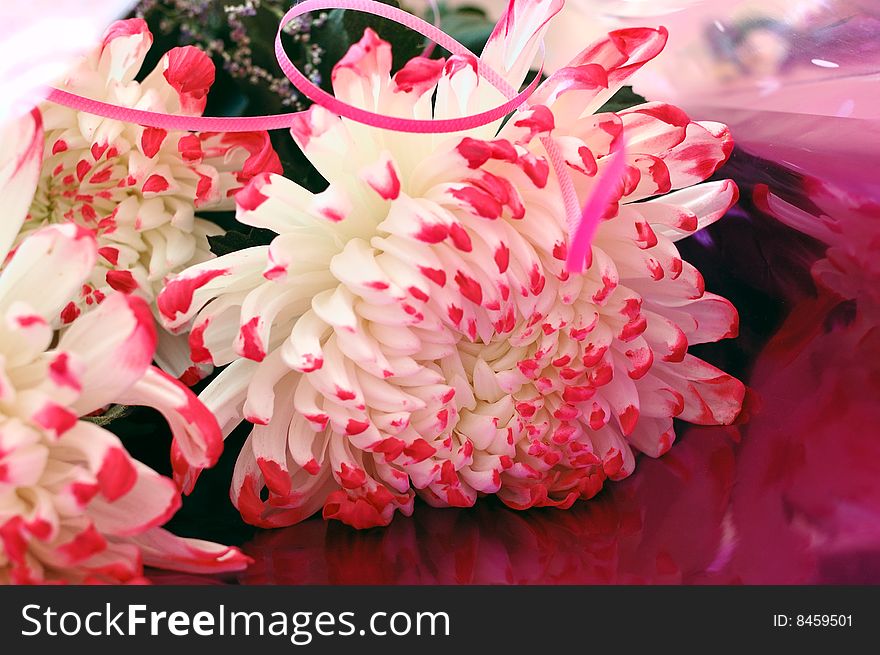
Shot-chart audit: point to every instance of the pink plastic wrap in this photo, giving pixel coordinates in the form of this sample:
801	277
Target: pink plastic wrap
796	81
38	41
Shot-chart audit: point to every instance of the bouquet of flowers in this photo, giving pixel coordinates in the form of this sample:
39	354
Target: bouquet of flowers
448	277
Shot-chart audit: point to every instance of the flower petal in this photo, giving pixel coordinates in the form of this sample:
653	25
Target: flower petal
48	269
21	154
115	344
517	36
197	439
164	550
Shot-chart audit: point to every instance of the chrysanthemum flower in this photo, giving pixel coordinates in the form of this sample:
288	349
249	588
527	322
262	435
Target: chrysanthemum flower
135	188
412	329
74	506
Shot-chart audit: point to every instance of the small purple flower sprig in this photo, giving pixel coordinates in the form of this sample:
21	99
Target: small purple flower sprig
239	38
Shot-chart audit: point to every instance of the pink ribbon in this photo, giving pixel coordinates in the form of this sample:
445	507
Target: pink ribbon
582	223
318	95
581	233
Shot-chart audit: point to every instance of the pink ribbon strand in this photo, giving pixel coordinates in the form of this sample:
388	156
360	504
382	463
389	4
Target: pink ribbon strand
318	95
582	222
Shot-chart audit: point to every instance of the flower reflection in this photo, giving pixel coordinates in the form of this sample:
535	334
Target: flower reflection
808	469
807	493
665	526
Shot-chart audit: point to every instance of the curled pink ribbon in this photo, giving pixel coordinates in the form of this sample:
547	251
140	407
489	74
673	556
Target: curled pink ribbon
582	223
318	95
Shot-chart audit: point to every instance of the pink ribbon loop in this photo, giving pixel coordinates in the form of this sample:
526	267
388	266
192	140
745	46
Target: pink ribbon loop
582	222
318	95
441	38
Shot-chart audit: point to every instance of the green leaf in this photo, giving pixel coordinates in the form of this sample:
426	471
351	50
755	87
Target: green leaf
235	240
333	37
468	25
623	99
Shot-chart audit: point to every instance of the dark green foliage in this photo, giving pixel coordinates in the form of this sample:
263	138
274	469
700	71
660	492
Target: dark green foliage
235	240
468	25
623	99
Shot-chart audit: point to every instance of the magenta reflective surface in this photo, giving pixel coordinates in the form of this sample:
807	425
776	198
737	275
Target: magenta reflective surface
689	518
789	498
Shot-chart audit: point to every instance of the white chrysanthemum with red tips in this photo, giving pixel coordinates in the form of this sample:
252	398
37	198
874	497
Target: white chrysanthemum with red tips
74	506
137	188
412	329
